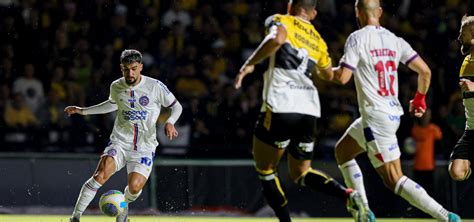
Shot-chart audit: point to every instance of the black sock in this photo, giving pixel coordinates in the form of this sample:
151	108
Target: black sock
322	182
275	196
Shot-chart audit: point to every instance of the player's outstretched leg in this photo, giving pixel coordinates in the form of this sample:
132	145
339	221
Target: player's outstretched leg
353	178
274	194
322	182
129	197
88	191
418	197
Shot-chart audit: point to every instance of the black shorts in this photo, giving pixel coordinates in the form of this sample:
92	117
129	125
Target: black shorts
464	148
288	130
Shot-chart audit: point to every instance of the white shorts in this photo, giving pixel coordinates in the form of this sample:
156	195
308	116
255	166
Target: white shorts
136	161
376	134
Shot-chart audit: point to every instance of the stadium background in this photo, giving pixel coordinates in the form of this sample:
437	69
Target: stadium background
56	53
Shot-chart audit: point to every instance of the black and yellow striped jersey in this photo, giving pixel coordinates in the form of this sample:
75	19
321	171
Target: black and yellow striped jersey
288	86
467	67
467	72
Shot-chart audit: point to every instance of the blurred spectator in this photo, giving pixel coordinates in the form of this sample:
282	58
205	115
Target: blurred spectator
30	88
189	84
425	134
18	115
176	14
4	99
51	115
6	71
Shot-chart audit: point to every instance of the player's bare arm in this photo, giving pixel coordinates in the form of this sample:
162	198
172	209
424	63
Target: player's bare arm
342	75
325	74
418	104
272	42
466	85
170	131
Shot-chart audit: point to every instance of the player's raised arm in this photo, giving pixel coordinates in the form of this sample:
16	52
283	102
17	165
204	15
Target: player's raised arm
101	108
273	41
418	104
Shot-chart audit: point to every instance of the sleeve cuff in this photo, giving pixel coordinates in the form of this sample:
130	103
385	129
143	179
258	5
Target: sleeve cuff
411	59
343	64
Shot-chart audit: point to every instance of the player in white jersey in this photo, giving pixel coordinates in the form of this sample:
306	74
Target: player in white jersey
287	121
372	54
138	100
463	153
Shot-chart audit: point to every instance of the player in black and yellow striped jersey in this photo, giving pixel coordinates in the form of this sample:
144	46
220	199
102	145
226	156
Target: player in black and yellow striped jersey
463	153
297	54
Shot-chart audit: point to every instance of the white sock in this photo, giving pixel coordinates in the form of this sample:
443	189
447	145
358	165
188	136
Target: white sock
417	196
353	178
88	191
131	197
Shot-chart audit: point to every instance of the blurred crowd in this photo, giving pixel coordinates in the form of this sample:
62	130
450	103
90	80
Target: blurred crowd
56	53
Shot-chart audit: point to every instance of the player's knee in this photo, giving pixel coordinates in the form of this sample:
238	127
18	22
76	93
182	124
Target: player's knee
101	177
135	186
459	173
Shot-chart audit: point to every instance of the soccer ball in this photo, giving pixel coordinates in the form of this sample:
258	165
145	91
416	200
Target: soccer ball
112	203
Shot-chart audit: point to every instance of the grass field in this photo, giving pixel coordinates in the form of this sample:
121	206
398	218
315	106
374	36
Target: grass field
64	218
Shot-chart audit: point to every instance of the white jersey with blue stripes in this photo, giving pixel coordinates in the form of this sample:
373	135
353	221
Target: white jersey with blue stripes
373	53
138	109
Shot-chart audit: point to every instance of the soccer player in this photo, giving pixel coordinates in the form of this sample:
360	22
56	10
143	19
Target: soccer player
297	54
138	100
463	153
373	54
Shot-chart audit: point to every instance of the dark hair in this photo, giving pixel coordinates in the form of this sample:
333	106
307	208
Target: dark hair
305	4
130	56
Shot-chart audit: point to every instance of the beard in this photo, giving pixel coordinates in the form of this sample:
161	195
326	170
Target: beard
130	81
465	48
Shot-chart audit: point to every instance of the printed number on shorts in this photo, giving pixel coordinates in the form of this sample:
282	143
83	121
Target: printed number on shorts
384	70
147	161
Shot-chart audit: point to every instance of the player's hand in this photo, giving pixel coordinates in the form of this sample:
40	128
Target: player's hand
466	85
170	131
73	110
418	105
245	70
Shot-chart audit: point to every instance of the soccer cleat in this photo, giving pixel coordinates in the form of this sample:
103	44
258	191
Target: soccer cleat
370	215
73	219
452	217
123	216
360	212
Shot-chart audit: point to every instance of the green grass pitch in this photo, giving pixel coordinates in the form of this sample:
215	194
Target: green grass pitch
65	218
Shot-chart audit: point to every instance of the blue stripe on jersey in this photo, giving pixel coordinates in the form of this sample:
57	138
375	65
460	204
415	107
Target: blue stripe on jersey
135	136
132	99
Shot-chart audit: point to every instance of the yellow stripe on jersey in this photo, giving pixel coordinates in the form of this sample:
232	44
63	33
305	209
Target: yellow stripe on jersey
467	67
302	34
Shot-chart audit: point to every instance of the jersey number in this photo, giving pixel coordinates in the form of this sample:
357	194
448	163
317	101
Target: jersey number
389	68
